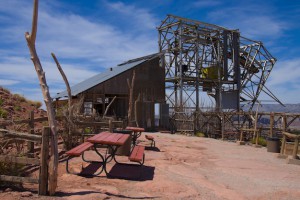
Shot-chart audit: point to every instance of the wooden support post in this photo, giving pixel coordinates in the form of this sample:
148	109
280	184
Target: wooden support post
283	145
241	135
295	150
110	126
222	125
284	123
257	136
30	145
43	184
271	124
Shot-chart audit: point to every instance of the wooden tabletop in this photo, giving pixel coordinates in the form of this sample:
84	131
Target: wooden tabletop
109	138
135	129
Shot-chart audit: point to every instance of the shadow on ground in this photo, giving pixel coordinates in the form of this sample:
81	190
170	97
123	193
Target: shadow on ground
152	149
132	172
83	193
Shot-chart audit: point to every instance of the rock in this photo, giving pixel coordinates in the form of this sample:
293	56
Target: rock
8	190
26	194
9	108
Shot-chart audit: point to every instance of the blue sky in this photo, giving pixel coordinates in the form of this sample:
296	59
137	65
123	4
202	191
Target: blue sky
88	36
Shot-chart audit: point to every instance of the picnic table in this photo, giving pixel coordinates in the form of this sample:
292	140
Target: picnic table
112	141
137	131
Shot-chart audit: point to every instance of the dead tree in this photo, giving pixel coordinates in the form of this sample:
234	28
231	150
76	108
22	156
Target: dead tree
106	110
30	38
69	113
131	89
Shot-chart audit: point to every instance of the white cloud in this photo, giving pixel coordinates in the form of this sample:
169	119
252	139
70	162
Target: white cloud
286	72
12	67
8	82
254	22
84	46
141	17
284	81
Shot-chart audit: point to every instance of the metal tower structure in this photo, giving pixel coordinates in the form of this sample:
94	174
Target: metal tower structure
206	58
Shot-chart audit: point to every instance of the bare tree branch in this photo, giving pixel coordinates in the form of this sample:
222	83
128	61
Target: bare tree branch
34	21
109	106
69	114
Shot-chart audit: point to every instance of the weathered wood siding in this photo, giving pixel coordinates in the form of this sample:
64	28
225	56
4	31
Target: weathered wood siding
149	82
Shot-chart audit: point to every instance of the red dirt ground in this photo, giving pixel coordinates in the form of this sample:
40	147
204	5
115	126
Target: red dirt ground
183	167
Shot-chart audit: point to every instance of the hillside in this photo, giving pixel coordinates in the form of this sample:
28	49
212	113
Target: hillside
15	107
288	108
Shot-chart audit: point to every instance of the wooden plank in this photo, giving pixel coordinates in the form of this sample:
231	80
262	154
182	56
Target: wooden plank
18	135
136	129
77	151
123	139
20	160
43	176
137	154
91	123
99	137
290	135
30	145
17	179
112	139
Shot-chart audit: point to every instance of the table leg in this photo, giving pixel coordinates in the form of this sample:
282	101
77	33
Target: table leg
110	157
135	136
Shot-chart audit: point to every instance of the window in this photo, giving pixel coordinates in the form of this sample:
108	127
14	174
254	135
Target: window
88	108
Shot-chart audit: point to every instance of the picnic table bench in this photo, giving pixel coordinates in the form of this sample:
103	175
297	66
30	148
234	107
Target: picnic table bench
137	131
79	151
150	138
111	141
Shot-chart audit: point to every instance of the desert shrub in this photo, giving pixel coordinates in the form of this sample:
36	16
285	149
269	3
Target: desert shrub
17	108
36	104
20	98
1	102
3	113
200	134
5	90
10	169
261	141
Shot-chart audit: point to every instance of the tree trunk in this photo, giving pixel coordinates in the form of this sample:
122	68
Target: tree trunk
30	38
131	89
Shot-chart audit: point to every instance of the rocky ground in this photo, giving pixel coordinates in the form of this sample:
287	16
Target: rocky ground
182	167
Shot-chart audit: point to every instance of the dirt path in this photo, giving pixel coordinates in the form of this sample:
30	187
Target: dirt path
184	167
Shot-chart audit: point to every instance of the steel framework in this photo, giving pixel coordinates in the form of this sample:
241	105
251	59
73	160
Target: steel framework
199	57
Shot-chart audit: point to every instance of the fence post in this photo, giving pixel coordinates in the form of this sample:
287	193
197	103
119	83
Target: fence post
271	124
295	150
43	177
283	145
30	145
284	122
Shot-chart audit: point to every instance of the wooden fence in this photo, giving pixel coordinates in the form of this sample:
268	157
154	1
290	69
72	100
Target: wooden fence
31	137
42	179
296	143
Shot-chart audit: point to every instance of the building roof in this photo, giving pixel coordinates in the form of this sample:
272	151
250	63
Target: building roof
104	76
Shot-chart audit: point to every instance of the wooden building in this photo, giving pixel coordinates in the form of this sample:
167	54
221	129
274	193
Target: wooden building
99	90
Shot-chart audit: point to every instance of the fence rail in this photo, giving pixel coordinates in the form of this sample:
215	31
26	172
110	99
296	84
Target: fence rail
42	180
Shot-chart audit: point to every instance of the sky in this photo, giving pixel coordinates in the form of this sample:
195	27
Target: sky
89	36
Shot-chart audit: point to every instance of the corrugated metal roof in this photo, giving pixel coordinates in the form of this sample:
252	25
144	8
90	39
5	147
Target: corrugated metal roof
104	76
